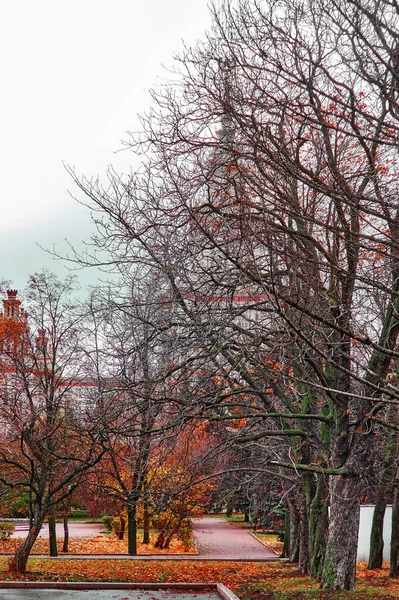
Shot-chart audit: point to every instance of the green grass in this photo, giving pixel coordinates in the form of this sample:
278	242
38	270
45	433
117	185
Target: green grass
235	517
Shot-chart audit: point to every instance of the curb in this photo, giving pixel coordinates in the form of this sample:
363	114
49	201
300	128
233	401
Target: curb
276	557
263	543
224	592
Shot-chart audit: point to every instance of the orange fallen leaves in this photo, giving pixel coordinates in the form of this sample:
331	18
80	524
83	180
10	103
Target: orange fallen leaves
231	573
101	544
250	579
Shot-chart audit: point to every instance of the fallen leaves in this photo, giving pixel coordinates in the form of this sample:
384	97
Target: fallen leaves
252	580
101	544
271	541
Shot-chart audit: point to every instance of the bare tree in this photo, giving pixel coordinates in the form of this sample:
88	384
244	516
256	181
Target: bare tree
50	435
278	236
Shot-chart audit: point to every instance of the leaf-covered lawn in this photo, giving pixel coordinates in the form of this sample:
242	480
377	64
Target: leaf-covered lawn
271	540
257	581
101	544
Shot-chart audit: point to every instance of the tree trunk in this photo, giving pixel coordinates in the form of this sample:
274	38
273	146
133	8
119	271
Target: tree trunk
318	527
394	558
386	476
287	535
376	535
146	523
52	535
122	528
132	528
303	542
18	563
66	534
339	569
294	532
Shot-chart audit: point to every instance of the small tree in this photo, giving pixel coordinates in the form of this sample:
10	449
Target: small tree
50	436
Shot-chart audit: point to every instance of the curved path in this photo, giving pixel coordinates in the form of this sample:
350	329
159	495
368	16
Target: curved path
216	538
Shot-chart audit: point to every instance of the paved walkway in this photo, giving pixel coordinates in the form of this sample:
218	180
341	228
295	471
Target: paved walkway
76	530
216	538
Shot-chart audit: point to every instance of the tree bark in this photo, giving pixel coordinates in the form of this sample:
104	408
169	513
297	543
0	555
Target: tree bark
303	542
294	532
66	534
146	523
18	563
339	569
132	528
394	557
317	512
52	535
122	528
287	535
386	476
376	535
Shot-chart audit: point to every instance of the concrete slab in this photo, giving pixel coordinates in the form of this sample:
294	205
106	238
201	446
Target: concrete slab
112	594
29	590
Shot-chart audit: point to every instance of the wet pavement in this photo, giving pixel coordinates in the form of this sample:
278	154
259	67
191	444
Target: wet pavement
216	538
76	530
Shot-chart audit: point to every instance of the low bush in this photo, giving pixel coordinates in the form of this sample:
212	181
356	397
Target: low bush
6	530
107	520
185	536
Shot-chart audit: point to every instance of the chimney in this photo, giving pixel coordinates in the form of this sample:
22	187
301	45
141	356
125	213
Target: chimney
11	305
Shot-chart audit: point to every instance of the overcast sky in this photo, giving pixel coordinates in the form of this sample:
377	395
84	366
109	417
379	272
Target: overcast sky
74	74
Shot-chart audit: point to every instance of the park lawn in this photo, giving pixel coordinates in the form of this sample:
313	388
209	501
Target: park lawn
271	540
100	544
249	580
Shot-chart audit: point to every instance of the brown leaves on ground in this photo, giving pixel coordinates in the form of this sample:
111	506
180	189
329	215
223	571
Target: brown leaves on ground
231	573
101	544
253	580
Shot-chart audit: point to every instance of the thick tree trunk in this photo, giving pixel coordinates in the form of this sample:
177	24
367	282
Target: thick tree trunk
339	569
66	534
318	527
52	535
132	528
19	561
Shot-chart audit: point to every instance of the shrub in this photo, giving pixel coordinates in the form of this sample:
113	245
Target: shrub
119	526
185	535
107	520
6	529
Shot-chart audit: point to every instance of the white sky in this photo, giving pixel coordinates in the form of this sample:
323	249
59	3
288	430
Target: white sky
74	76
